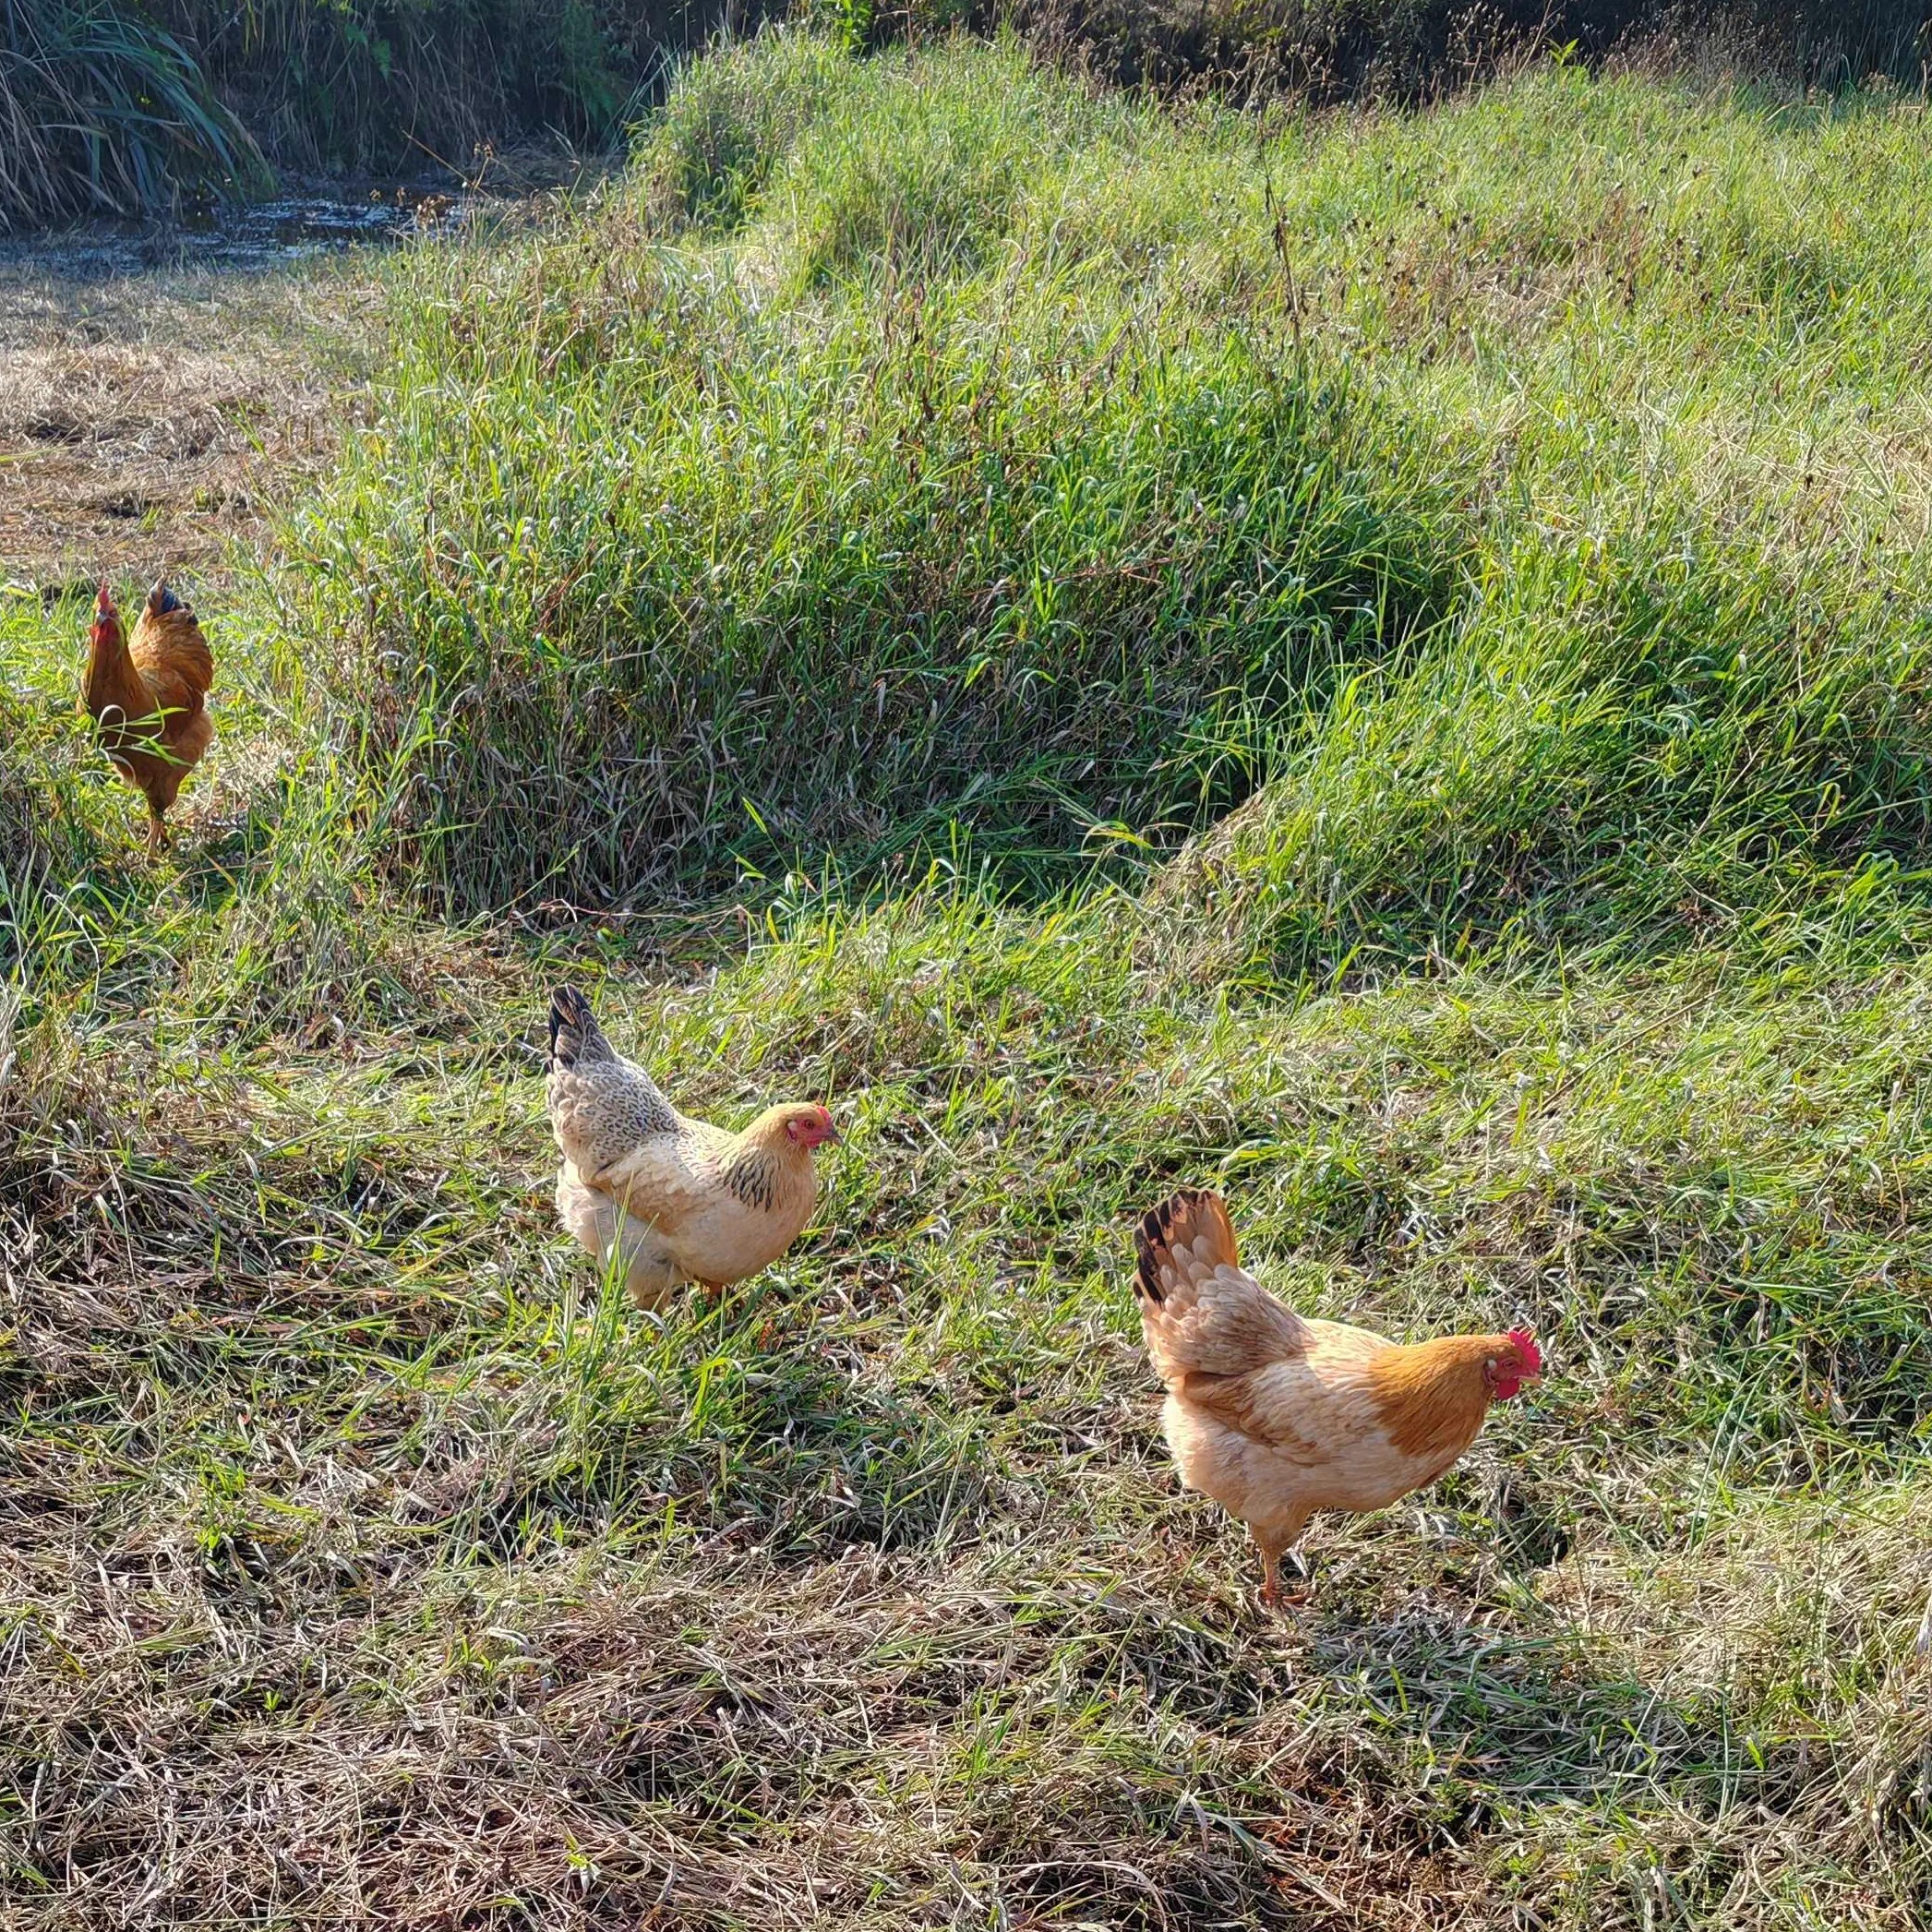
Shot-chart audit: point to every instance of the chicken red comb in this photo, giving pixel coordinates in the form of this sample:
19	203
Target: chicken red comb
1525	1346
103	603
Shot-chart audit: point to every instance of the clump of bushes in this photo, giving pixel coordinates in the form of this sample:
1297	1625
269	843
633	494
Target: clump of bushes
1411	49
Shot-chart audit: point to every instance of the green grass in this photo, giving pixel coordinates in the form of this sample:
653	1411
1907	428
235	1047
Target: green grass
130	107
1380	665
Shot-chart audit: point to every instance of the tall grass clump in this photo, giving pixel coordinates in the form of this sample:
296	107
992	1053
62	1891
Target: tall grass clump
1013	468
728	582
131	107
398	83
729	120
102	112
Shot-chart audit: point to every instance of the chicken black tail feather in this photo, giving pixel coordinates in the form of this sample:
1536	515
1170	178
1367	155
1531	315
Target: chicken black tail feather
574	1033
1151	1239
1190	1215
1148	1238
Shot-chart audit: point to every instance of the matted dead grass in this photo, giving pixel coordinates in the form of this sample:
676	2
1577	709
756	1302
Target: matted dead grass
150	416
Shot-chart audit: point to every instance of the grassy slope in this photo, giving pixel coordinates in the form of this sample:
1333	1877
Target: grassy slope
1544	581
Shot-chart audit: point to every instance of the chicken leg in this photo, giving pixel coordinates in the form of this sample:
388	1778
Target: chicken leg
1271	1540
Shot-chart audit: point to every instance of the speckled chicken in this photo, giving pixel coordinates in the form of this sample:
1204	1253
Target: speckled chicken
676	1199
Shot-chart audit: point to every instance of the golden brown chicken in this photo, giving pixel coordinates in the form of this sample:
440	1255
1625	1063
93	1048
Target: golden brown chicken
1275	1416
147	696
679	1199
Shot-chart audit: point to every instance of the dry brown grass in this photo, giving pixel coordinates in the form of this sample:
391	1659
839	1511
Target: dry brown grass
150	416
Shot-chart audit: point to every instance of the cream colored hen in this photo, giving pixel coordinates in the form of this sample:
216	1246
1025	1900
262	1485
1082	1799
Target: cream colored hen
1276	1415
677	1199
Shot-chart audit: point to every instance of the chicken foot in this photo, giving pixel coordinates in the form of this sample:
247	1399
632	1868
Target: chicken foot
1272	1595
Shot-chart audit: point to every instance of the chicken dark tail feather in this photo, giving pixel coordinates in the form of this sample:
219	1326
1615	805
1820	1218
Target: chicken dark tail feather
1149	1239
574	1033
1189	1217
161	599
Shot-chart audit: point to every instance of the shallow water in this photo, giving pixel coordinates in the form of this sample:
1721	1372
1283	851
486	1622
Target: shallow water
292	226
261	234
